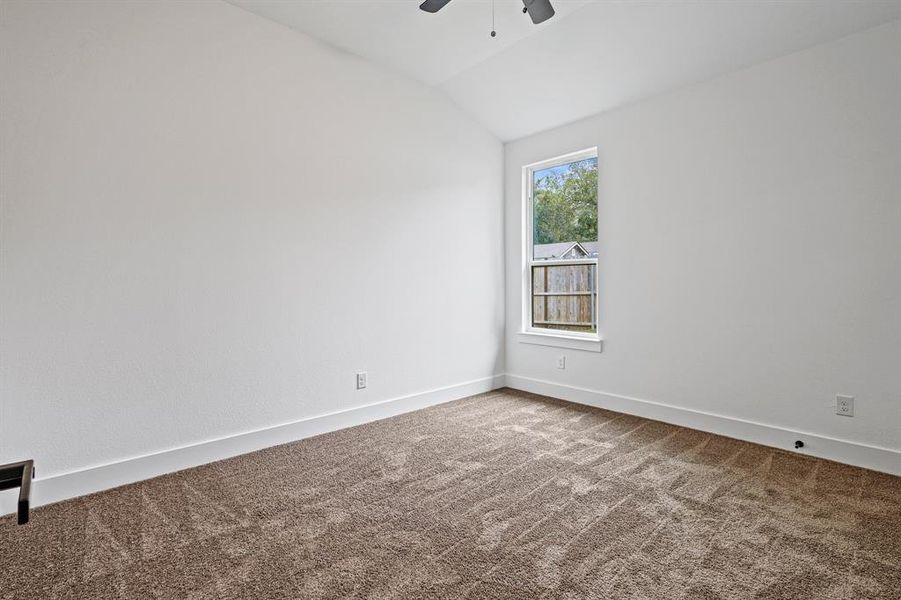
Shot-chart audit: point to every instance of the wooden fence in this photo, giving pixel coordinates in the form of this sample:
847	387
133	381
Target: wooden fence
564	296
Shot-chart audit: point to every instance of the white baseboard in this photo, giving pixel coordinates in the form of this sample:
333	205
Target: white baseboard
102	477
94	479
843	451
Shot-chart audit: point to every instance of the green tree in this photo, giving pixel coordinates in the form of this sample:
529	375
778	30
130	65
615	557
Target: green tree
565	203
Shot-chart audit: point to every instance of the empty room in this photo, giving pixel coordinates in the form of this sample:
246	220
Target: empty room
486	299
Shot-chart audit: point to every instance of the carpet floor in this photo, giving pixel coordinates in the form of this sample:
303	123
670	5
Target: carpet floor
502	495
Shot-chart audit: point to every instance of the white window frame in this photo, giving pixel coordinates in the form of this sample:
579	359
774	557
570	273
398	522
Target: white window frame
576	340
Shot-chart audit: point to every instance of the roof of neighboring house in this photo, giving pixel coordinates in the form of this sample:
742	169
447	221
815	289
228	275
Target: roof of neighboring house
552	251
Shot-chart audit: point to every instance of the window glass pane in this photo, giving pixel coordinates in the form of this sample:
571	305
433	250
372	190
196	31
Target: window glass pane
565	296
565	228
565	211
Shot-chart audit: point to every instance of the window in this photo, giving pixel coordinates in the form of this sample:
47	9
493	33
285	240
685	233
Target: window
561	270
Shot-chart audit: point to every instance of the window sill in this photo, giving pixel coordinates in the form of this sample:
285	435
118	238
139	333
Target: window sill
559	340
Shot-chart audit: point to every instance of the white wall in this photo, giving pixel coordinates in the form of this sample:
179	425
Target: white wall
210	222
750	234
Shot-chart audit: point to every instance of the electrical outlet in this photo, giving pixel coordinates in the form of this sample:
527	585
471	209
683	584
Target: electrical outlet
361	380
561	362
844	406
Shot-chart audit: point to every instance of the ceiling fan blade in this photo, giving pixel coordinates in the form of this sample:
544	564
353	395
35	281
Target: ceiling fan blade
433	6
539	10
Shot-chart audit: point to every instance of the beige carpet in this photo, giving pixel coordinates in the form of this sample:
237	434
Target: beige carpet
504	495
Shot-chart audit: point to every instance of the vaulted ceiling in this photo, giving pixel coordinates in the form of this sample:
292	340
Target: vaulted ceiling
591	57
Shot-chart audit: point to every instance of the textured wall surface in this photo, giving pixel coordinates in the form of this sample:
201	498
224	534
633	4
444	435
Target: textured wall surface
211	222
750	256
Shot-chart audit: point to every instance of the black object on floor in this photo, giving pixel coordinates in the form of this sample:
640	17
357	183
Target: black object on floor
18	475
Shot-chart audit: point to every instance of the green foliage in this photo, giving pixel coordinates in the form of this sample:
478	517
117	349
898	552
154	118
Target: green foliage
565	206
